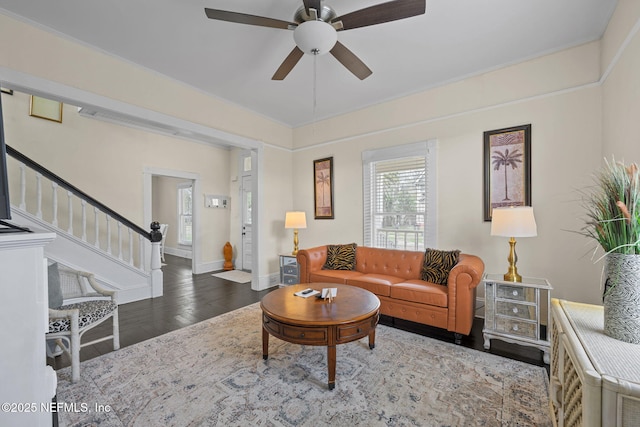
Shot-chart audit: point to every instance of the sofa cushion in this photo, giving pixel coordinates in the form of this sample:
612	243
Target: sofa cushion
379	284
340	257
421	292
332	276
438	264
392	262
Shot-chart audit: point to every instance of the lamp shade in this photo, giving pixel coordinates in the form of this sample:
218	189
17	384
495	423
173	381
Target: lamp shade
295	220
315	37
516	221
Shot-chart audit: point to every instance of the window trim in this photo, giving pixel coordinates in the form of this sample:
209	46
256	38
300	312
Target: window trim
428	149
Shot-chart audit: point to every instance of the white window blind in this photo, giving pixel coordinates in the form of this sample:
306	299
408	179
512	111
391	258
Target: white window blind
399	197
185	214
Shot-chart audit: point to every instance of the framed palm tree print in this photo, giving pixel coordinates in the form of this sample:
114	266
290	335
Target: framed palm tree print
323	188
507	168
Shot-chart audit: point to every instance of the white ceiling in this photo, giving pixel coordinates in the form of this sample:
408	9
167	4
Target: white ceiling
453	40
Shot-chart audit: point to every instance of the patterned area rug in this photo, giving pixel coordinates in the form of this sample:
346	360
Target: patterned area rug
212	373
234	276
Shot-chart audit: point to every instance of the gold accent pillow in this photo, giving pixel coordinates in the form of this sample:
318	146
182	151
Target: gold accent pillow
340	257
438	264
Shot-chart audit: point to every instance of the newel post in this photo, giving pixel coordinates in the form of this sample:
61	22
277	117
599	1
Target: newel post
156	272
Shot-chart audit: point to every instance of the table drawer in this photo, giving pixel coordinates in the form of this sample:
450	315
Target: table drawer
517	310
290	269
273	327
516	293
290	280
311	336
516	327
288	260
294	334
348	333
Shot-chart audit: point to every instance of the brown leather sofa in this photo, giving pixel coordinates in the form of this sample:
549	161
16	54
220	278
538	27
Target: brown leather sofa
395	277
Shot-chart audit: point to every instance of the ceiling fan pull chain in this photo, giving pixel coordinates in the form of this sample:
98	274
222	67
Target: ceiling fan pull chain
315	85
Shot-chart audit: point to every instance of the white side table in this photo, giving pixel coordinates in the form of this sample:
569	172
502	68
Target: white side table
512	311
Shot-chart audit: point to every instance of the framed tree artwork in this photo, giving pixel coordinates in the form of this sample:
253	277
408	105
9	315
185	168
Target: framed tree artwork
507	168
323	188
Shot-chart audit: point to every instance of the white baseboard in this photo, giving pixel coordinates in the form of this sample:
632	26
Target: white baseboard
266	282
207	267
182	253
134	294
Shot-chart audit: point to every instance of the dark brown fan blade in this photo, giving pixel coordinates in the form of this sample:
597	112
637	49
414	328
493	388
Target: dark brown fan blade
381	13
312	4
288	64
351	61
243	18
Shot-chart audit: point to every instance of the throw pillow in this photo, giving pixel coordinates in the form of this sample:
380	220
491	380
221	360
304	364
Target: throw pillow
55	291
340	257
438	264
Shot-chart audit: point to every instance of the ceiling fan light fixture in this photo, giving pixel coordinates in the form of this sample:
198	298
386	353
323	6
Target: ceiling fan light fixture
315	37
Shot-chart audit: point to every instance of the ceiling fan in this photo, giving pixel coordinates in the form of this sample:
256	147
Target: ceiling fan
315	29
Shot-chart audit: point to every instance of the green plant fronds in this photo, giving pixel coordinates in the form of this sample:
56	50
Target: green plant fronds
613	208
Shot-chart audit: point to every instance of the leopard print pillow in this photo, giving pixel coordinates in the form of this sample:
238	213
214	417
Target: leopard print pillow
438	264
340	257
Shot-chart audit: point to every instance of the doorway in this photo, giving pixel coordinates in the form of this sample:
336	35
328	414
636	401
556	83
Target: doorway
246	195
246	223
161	204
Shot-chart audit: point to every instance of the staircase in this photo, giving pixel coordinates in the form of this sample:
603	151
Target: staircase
90	236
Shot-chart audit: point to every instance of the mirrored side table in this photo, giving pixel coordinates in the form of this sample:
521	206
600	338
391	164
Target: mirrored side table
513	312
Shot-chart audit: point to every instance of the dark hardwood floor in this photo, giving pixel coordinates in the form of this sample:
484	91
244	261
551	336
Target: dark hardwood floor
190	298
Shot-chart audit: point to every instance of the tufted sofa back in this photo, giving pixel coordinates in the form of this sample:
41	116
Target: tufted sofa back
392	262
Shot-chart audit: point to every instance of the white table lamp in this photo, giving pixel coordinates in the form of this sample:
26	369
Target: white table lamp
512	222
295	220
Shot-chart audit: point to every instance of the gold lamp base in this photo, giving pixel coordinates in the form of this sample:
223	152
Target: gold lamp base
512	274
295	242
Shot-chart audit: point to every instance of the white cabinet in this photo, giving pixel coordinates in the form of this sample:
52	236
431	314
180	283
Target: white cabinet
25	377
595	379
513	311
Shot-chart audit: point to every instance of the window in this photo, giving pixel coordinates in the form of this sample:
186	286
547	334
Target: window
185	213
399	197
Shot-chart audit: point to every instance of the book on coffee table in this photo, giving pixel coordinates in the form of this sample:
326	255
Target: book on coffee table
306	293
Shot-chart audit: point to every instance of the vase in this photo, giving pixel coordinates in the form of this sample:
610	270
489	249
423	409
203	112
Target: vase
622	297
227	251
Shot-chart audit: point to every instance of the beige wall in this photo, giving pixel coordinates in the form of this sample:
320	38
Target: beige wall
107	162
34	52
576	118
555	94
621	89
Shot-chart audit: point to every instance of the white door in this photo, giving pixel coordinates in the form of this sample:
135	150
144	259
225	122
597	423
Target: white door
246	223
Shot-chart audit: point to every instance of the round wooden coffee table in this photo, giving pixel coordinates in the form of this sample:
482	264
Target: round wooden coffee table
352	315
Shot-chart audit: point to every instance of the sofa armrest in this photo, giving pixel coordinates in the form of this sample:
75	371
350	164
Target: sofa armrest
310	260
464	278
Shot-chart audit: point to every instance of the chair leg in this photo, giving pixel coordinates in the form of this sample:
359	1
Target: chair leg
116	330
75	348
75	357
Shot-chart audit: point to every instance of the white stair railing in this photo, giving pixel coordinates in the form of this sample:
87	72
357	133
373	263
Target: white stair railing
131	239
